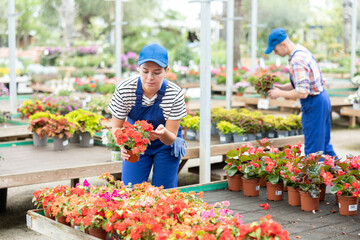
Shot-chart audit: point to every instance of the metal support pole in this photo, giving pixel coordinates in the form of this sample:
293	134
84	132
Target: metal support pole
254	5
12	56
353	36
118	40
205	97
229	52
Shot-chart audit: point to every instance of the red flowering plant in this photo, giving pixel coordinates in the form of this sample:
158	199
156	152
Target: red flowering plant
134	138
29	107
309	176
347	177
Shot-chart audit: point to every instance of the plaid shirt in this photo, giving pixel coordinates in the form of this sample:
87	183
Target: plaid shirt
305	72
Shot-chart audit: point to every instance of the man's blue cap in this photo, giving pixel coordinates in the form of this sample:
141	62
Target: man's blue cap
276	36
154	53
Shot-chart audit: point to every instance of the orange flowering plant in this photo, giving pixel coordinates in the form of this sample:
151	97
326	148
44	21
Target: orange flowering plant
134	138
147	212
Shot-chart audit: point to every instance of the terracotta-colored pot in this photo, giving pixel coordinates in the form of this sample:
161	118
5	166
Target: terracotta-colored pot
308	203
133	157
61	219
348	205
235	183
262	182
275	192
293	196
322	192
48	215
251	187
98	232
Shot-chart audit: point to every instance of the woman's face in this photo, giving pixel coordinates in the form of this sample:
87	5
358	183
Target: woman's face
151	75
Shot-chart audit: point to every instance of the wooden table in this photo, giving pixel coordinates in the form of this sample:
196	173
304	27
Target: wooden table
26	165
352	113
293	105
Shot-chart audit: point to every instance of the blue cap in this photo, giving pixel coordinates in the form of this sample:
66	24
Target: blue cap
276	36
154	53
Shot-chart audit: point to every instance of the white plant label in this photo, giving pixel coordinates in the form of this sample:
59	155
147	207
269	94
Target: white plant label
339	205
257	188
352	208
222	139
263	104
65	143
80	138
77	228
278	193
91	141
271	135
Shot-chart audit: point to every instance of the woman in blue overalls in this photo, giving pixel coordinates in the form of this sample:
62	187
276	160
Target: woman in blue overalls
315	102
167	145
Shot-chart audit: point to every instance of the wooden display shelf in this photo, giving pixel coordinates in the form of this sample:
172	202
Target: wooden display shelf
352	113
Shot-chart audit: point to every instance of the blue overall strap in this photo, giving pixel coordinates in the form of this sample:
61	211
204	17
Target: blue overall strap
161	92
139	93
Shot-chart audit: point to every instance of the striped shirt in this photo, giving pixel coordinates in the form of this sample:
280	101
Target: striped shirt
305	72
172	104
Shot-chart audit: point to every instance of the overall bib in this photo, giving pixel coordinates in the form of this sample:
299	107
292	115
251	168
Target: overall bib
316	121
157	153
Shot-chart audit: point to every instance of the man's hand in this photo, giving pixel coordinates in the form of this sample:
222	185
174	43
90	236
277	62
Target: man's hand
124	154
275	93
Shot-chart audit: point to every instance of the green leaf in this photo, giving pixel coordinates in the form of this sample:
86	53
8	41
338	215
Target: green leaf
274	179
336	188
232	154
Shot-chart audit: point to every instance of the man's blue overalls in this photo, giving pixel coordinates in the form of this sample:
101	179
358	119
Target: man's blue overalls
159	154
315	120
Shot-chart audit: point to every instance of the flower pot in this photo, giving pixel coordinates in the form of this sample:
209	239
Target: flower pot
86	140
62	219
225	138
133	157
275	192
75	138
190	134
60	144
239	94
115	156
239	138
259	135
39	142
251	187
308	203
292	133
282	134
235	182
348	205
356	106
197	136
293	197
251	137
48	215
322	192
262	182
214	130
98	232
271	134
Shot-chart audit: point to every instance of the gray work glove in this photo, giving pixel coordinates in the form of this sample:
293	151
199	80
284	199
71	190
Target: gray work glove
178	147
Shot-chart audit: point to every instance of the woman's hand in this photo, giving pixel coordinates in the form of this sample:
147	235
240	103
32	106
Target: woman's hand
124	155
157	133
